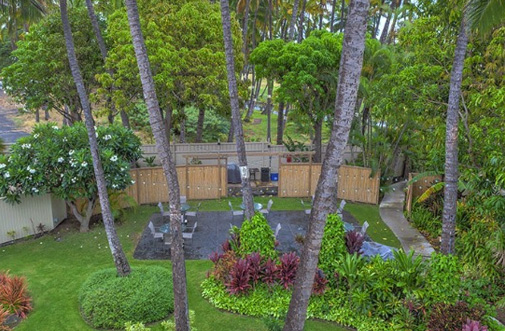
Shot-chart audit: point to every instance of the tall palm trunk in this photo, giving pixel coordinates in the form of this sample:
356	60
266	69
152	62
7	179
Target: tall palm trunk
332	19
235	111
280	123
351	63
302	18
163	147
122	266
391	35
245	26
292	24
451	145
385	29
342	16
103	52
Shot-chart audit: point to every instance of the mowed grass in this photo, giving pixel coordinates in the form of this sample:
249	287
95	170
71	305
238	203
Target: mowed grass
57	264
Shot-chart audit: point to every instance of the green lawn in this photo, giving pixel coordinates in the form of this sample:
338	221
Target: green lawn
56	269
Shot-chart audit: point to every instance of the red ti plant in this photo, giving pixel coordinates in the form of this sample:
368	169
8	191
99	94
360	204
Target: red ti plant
3	317
224	265
320	283
14	295
239	278
354	241
269	272
287	269
254	260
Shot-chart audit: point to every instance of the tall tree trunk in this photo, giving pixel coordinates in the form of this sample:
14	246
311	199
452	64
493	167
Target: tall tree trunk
245	26
351	63
451	145
230	133
182	129
124	119
391	35
302	18
37	115
292	24
270	84
342	16
318	135
385	29
322	7
122	266
280	123
332	19
199	125
235	111
162	144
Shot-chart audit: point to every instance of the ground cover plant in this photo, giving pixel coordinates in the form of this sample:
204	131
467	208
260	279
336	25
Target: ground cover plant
56	269
108	301
368	294
14	298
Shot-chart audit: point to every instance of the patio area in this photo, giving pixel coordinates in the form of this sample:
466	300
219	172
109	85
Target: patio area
213	229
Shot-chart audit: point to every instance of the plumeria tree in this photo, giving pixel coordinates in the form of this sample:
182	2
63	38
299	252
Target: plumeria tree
58	161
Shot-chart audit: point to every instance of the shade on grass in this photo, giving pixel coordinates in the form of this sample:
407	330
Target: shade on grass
55	271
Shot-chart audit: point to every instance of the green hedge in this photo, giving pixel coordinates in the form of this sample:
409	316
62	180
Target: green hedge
108	301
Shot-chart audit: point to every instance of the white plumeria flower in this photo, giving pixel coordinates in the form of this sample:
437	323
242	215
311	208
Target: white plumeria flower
113	158
55	127
65	139
71	152
61	175
24	146
107	137
7	175
2	165
133	182
30	169
122	169
60	159
36	135
114	186
74	180
84	164
96	134
36	190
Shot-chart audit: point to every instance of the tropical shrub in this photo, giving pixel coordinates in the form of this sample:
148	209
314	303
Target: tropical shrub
254	261
473	326
223	265
3	318
320	283
269	272
287	269
443	279
14	296
108	301
445	316
239	278
333	244
354	241
426	222
256	236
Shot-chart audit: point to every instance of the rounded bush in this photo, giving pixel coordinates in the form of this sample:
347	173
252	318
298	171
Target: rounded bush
108	301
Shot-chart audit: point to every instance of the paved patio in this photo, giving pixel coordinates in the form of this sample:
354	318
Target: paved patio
213	229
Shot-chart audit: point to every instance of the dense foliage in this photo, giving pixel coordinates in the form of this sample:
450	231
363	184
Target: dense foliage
14	298
404	293
108	301
257	236
58	161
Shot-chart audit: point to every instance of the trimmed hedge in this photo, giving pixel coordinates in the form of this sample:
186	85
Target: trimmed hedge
108	301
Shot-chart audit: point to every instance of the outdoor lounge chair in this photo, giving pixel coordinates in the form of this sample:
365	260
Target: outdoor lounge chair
267	210
194	213
189	235
341	208
235	212
307	211
153	231
277	229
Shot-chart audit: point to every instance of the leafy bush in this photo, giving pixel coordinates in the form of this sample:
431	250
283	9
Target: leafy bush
239	278
269	272
14	295
320	283
223	265
257	236
426	222
215	126
443	279
452	316
287	269
254	261
109	301
408	270
354	241
333	244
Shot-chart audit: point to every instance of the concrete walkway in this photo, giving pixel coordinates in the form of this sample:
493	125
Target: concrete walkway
391	212
8	130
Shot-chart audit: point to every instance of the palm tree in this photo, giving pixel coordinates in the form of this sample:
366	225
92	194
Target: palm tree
235	111
162	144
17	15
118	255
482	15
351	63
293	20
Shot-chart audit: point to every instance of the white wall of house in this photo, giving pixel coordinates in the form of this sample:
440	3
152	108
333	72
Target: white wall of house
23	218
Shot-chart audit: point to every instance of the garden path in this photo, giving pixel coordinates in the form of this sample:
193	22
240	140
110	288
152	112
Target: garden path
391	212
8	130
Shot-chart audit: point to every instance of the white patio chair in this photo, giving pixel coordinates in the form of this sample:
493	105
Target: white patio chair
153	231
307	211
160	206
183	199
277	229
235	212
364	228
341	207
194	213
189	235
269	207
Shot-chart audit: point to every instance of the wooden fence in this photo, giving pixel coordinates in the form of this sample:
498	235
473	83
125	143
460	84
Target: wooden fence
417	188
354	183
195	182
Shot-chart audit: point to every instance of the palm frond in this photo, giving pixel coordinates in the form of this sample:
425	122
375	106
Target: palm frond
484	15
433	189
422	175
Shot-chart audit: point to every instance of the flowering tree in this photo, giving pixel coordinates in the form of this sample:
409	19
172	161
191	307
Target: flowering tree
58	161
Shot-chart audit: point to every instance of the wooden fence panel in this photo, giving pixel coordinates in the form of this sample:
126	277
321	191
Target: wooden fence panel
417	188
354	183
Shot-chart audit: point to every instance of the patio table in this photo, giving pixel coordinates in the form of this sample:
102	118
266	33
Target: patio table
257	206
184	208
165	228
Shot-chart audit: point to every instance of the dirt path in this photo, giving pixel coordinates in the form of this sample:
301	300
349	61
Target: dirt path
9	133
